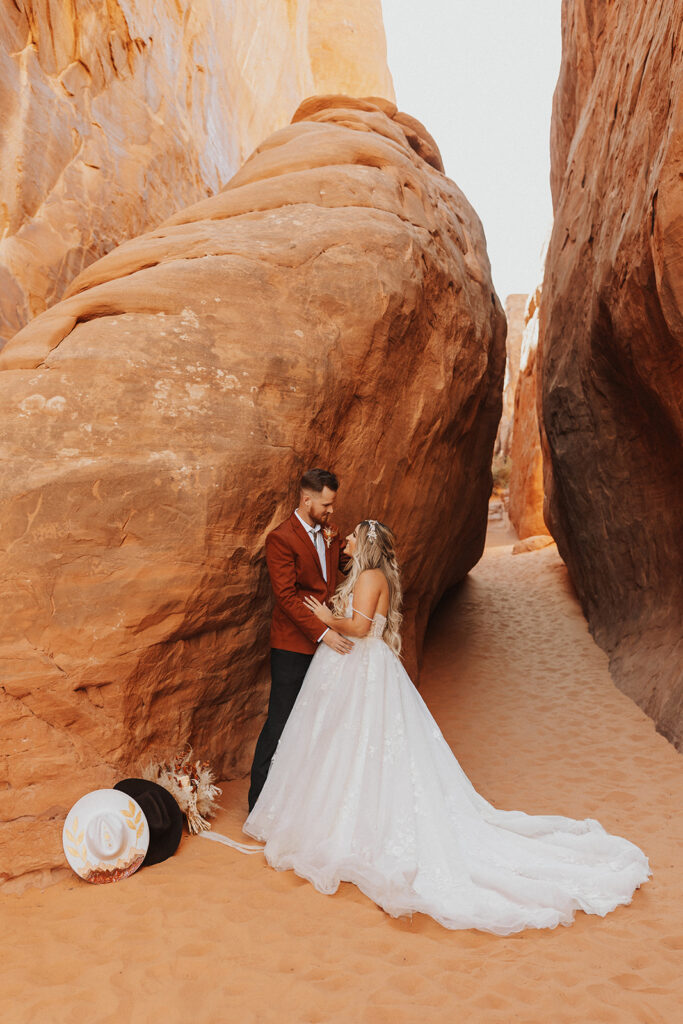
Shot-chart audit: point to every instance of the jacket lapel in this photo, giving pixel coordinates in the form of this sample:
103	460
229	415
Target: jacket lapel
331	577
302	534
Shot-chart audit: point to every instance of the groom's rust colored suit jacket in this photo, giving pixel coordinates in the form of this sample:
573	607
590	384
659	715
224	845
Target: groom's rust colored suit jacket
295	571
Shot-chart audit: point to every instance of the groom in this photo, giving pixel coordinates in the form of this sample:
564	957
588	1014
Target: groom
303	558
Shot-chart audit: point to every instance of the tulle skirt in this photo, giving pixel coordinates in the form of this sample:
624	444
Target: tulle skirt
363	788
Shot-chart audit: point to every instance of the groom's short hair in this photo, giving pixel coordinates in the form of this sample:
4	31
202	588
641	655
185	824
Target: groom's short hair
316	479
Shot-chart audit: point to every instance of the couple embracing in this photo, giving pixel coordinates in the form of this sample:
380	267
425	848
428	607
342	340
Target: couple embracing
352	779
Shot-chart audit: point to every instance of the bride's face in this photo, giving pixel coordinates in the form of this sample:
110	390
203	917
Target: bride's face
350	546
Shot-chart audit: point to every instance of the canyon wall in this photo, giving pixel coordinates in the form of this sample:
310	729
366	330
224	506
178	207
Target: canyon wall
333	305
117	113
525	503
515	306
611	338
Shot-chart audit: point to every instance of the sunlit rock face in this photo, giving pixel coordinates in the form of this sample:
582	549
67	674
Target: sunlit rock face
611	339
515	306
332	306
114	114
525	506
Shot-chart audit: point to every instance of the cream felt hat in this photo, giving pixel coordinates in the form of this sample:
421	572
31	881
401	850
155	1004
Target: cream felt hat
105	836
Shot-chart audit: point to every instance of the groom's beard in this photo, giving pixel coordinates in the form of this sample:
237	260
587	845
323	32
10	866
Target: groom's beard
321	520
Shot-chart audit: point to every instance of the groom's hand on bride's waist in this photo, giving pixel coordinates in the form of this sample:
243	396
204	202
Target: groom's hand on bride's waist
338	643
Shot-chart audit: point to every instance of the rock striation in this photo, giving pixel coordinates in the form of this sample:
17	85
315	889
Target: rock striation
115	115
515	306
611	339
333	305
525	502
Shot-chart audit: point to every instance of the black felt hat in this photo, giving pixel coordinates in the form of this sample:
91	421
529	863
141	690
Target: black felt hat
164	817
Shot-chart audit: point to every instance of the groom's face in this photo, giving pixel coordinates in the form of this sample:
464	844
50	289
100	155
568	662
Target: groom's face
320	506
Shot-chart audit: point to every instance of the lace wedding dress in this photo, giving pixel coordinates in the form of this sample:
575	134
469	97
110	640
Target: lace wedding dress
364	788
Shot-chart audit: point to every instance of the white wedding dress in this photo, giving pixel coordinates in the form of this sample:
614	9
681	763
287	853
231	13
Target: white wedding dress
363	788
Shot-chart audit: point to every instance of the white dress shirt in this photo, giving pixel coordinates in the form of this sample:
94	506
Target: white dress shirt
316	535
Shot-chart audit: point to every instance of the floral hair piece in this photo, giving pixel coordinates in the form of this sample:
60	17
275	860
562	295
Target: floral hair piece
372	531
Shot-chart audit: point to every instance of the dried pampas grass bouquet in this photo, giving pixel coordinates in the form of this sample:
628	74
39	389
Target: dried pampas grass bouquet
191	783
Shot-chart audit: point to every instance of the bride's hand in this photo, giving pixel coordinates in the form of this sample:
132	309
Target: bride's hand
318	609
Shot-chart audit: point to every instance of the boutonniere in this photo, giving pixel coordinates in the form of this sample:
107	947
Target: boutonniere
329	533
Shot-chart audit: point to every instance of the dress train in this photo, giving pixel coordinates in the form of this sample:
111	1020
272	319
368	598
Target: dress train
364	788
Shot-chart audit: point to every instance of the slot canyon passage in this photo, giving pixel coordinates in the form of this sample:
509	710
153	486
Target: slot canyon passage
524	696
333	287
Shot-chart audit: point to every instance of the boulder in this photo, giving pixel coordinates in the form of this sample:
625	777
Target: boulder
532	544
331	306
115	115
525	502
611	339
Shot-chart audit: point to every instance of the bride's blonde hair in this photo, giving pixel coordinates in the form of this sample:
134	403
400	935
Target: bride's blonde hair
375	549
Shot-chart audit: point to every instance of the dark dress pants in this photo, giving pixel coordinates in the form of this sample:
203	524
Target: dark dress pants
287	671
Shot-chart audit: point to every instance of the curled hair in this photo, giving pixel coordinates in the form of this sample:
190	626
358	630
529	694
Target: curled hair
375	549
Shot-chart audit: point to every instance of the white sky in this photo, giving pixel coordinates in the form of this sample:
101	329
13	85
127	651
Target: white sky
480	75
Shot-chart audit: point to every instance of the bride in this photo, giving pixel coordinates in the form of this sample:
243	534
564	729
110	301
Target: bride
364	788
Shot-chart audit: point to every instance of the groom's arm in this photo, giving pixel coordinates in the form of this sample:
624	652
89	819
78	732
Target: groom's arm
282	569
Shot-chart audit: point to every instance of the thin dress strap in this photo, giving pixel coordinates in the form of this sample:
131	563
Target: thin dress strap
364	615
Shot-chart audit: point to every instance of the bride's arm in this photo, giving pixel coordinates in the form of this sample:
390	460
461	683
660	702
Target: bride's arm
366	596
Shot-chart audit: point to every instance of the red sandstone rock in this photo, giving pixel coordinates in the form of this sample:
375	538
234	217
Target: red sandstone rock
531	544
515	306
612	339
332	306
113	115
525	503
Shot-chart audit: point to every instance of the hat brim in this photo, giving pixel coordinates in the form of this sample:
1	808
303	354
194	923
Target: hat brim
163	843
82	859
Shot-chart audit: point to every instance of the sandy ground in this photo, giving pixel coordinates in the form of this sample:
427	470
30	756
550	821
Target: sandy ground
210	936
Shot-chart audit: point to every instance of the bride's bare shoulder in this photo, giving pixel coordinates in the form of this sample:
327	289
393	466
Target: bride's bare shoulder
372	578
